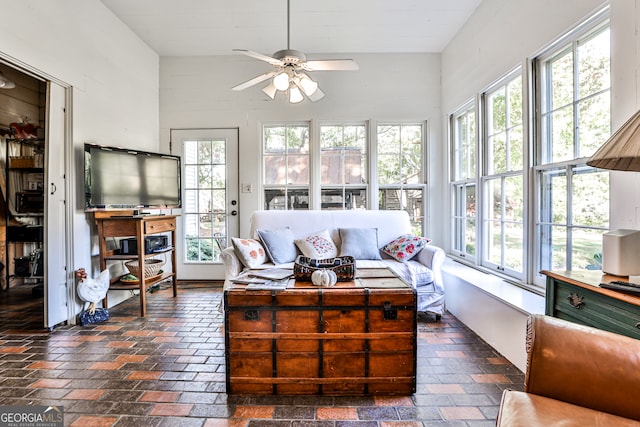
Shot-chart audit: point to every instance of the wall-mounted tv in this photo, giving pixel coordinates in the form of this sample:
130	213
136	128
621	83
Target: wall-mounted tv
123	178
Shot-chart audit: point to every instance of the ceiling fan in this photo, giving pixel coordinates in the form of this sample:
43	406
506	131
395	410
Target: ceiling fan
290	71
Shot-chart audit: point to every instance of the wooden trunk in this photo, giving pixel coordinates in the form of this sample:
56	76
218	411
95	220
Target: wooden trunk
356	338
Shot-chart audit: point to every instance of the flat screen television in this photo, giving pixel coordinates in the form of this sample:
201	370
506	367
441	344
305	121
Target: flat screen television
123	178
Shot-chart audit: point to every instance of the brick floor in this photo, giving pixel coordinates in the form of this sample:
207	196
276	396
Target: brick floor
168	370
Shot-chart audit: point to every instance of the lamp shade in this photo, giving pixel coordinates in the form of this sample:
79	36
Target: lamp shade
295	95
270	90
622	150
281	81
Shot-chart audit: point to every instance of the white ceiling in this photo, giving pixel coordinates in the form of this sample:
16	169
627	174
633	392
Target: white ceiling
215	27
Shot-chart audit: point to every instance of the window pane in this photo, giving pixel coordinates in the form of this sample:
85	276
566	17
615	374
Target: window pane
274	199
470	202
274	139
561	76
464	163
516	147
343	156
514	91
388	169
343	198
556	240
590	200
594	123
283	199
554	197
494	244
286	163
498	154
494	192
514	198
470	237
298	170
561	127
274	170
514	246
587	249
204	152
497	111
593	64
412	163
400	154
407	199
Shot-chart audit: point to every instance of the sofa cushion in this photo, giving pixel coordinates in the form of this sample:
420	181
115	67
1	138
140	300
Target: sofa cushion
405	247
360	243
279	245
520	409
250	252
318	245
413	272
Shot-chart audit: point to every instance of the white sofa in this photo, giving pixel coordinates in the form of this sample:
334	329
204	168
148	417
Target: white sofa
423	271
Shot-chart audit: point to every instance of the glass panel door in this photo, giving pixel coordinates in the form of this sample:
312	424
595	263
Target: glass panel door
209	200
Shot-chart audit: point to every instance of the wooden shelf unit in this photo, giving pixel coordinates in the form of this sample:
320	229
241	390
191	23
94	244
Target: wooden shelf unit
111	225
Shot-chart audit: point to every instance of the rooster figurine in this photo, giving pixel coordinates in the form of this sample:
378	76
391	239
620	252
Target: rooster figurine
92	290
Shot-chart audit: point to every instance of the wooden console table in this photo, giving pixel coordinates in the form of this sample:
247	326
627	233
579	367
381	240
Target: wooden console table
576	296
138	227
356	338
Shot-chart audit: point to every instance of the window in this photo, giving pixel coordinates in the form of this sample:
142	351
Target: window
286	167
503	178
401	171
463	185
574	116
540	206
338	174
343	171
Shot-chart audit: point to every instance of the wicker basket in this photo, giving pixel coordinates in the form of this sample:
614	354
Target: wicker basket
343	266
151	267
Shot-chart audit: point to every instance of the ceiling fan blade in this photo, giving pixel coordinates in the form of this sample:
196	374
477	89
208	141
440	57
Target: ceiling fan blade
254	81
259	56
331	65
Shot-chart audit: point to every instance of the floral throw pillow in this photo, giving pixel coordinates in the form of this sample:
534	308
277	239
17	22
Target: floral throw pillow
405	247
250	252
318	245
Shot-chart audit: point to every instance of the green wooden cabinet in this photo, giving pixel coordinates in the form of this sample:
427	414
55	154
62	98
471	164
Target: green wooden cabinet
577	297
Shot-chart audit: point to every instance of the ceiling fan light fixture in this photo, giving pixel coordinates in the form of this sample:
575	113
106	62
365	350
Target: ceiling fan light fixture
270	90
5	83
281	81
308	86
295	95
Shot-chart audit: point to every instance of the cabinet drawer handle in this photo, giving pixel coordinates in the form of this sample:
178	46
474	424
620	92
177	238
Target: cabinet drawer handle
576	301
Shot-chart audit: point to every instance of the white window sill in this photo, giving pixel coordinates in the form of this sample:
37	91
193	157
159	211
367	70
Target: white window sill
517	297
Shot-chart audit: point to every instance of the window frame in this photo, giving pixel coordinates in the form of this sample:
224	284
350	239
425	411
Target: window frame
460	183
287	189
567	167
371	185
487	176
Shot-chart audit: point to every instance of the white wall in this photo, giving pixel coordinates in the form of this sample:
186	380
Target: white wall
113	75
196	92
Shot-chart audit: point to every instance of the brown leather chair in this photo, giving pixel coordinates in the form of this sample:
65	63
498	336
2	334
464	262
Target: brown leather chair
576	376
